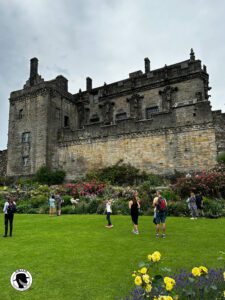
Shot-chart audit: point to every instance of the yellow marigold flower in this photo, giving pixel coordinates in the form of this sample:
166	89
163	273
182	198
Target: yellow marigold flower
143	270
138	280
148	288
203	270
169	280
150	257
156	256
196	271
146	278
169	286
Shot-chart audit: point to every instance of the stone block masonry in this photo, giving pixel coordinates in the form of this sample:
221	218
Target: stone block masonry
157	120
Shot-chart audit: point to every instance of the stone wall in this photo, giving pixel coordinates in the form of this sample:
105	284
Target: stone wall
161	152
3	162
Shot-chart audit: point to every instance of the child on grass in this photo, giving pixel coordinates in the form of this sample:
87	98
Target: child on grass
108	209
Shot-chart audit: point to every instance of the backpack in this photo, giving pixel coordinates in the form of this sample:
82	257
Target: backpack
161	205
11	209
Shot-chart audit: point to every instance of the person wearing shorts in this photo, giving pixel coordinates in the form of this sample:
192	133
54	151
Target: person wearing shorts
160	216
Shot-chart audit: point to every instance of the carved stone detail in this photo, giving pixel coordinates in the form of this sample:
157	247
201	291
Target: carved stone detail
135	106
107	112
167	97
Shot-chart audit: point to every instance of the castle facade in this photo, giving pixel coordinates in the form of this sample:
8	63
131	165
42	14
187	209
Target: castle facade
157	120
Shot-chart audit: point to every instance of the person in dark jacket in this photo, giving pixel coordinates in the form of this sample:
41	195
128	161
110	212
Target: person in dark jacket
199	203
9	210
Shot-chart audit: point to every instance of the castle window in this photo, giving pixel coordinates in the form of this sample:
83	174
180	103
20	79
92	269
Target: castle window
57	113
94	118
121	116
26	137
66	121
20	114
25	161
150	111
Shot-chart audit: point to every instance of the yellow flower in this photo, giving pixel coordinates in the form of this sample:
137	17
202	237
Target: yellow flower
148	288
133	275
150	257
156	256
138	280
203	270
169	280
224	294
224	276
146	278
164	298
196	271
169	286
143	270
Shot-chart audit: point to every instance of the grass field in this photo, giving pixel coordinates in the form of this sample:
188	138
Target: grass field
76	257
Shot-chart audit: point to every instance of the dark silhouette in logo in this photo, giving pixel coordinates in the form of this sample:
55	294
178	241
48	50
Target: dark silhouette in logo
21	280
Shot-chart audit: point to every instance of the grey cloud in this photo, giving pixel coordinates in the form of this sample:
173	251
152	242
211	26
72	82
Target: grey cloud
106	40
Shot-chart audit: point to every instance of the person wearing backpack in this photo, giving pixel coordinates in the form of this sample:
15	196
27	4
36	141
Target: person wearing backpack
160	205
9	210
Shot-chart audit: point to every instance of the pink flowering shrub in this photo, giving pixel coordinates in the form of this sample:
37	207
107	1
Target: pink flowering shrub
85	188
209	183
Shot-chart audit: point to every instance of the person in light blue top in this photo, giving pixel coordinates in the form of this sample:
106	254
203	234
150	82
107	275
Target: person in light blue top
51	202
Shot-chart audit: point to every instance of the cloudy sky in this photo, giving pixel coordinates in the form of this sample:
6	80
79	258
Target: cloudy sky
106	40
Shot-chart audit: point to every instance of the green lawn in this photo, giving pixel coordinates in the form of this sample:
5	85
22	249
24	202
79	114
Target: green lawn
76	257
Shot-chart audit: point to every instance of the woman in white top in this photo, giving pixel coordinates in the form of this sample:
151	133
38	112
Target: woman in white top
108	213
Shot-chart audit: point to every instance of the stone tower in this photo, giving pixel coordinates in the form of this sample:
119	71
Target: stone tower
36	114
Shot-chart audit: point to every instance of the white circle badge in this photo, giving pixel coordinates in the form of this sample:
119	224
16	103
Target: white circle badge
21	280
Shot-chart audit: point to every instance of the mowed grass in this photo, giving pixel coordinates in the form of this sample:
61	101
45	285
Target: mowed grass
76	257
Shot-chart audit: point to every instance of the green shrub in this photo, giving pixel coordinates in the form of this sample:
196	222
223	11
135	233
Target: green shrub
178	208
170	195
120	174
66	199
68	209
37	201
120	207
46	176
221	158
213	208
93	206
23	208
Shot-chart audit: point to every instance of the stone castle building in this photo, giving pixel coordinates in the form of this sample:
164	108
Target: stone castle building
157	120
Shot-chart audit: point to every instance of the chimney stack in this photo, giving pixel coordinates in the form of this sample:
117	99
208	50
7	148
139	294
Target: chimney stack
33	68
88	84
147	65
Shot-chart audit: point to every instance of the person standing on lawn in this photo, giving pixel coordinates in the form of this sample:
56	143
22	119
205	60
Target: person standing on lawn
160	205
58	201
9	210
108	209
134	206
192	206
199	204
51	202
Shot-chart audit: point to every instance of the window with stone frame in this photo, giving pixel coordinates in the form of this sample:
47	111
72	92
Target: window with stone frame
66	122
57	113
20	114
151	111
121	116
25	161
25	137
